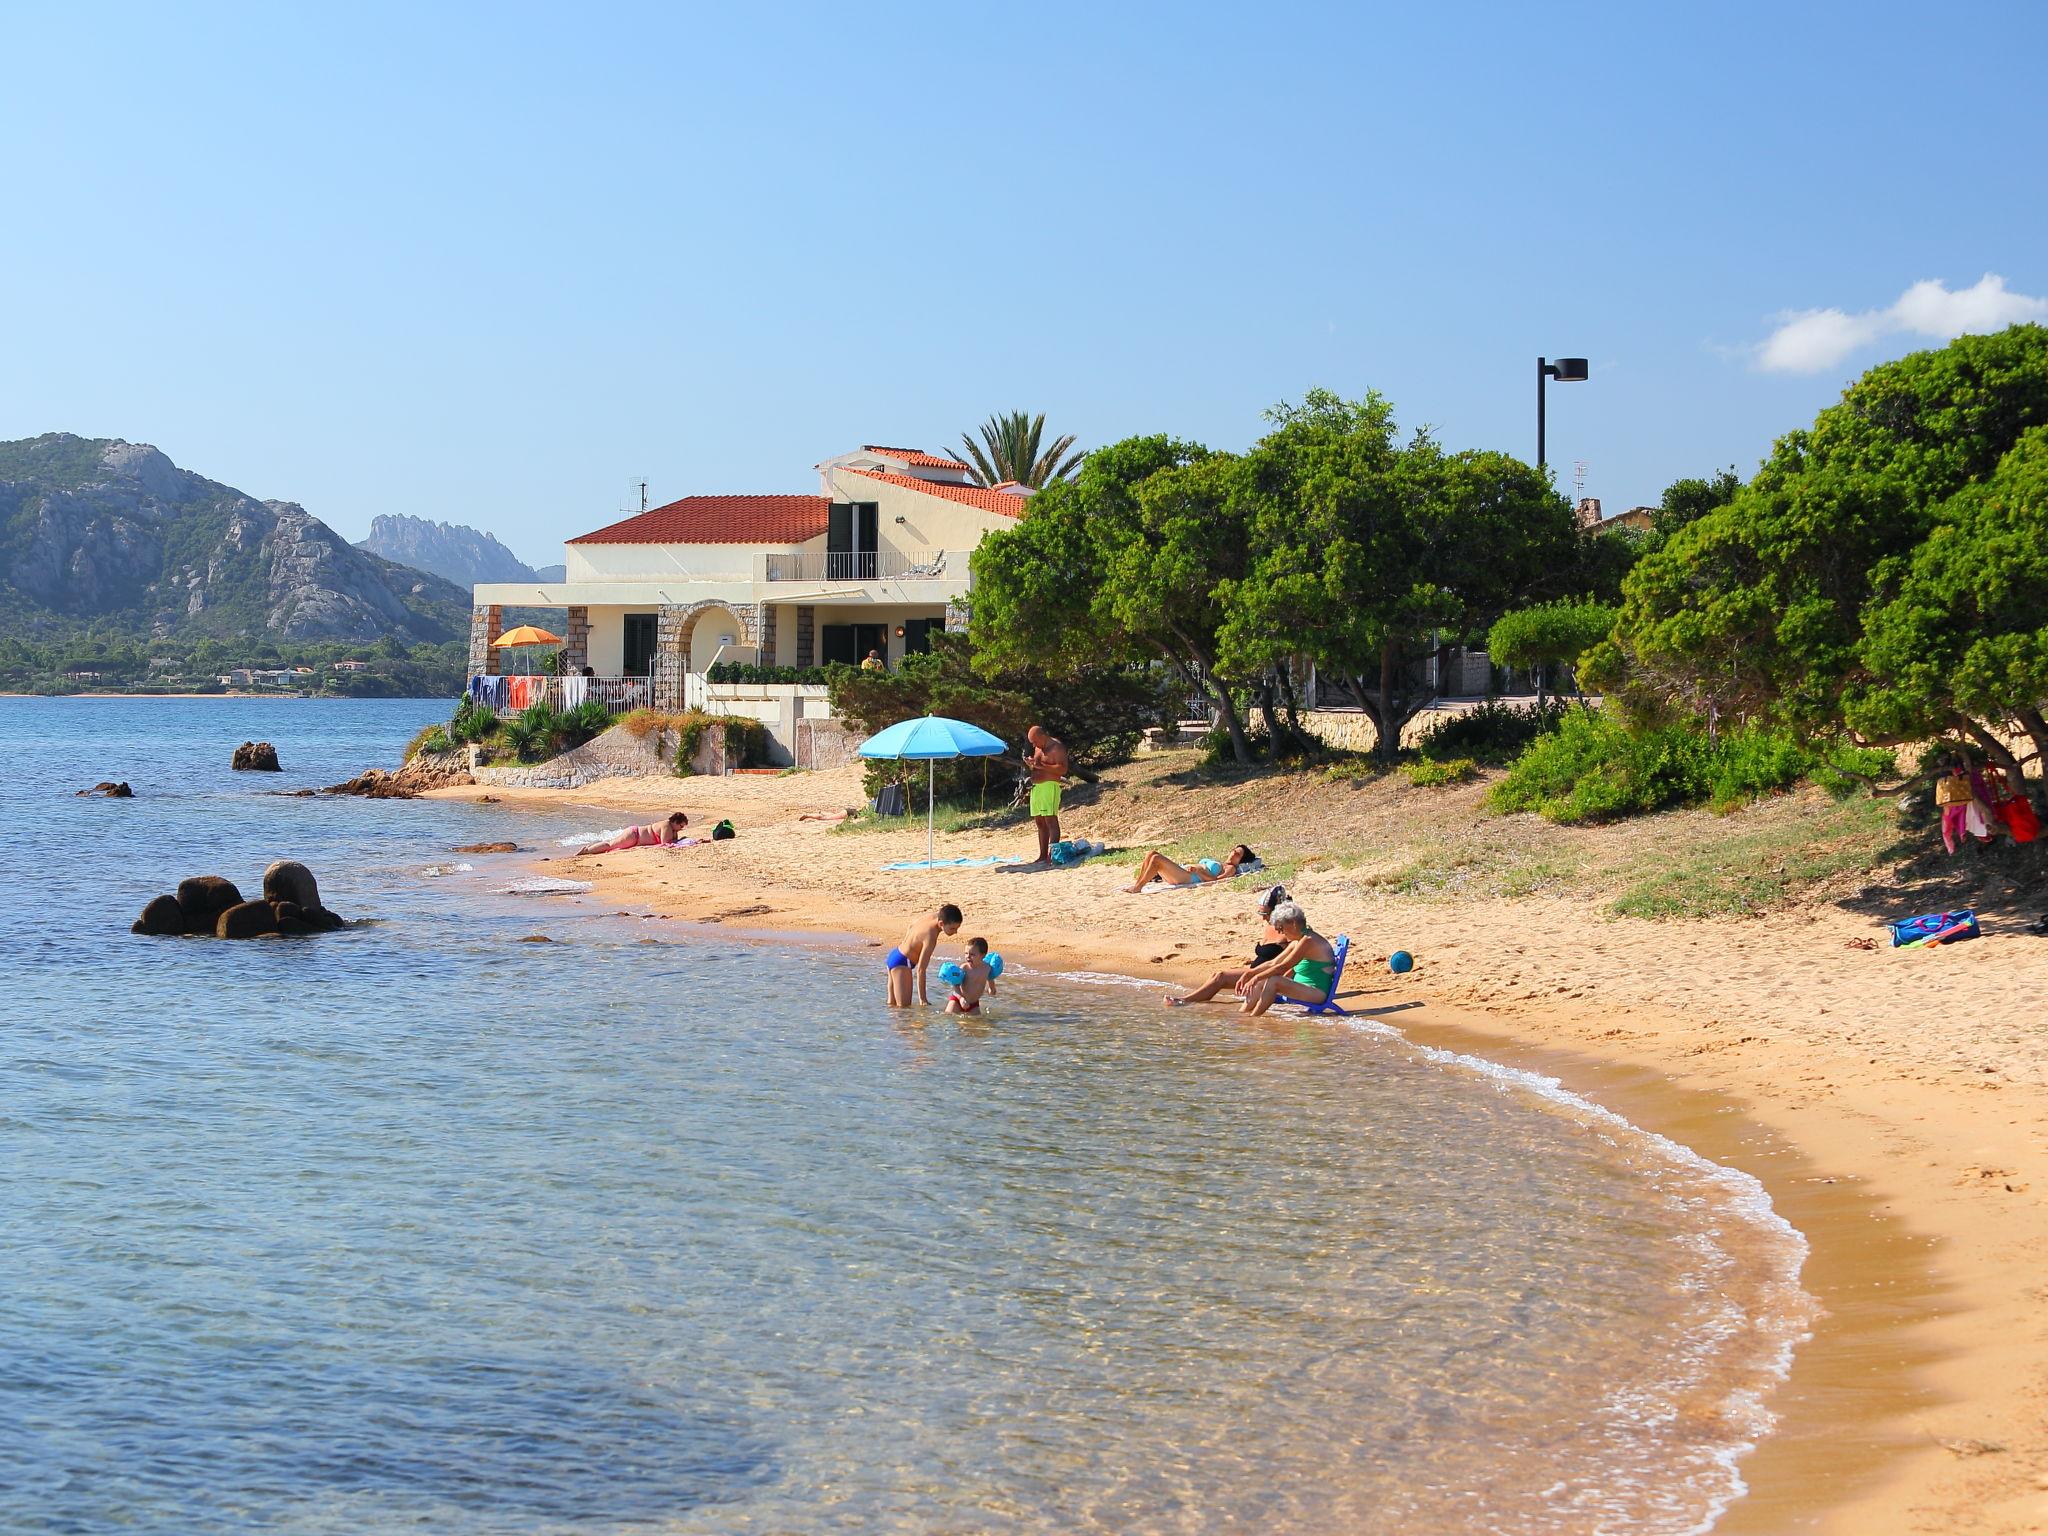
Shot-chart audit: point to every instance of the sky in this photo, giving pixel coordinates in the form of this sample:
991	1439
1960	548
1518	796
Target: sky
493	265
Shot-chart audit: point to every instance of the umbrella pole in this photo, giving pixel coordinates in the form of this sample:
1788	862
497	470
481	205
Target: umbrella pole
929	770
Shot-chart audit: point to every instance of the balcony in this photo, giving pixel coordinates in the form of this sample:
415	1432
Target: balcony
861	565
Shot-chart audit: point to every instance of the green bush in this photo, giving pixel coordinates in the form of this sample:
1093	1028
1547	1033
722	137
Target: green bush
1594	767
1493	732
531	733
588	719
748	672
1426	773
472	722
432	739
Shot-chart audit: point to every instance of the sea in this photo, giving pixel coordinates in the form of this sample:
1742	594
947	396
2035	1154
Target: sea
659	1227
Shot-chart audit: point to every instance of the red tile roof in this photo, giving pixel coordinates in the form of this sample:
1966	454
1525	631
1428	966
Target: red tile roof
1006	502
721	520
915	456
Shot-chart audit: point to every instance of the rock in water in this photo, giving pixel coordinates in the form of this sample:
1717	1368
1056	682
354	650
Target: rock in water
245	921
203	898
256	757
107	789
289	880
162	915
486	848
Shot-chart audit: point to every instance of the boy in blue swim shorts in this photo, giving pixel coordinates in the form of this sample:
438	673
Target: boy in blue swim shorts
914	955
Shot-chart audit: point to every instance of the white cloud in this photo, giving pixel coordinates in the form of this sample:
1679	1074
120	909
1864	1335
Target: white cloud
1815	340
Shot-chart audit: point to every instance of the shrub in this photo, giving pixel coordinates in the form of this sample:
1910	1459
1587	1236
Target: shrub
588	719
748	672
472	722
1493	732
531	733
647	722
433	739
1426	773
1594	767
1549	632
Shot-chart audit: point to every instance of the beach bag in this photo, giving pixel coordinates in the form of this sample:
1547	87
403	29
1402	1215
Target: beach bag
1951	789
1065	852
1910	930
721	832
2021	819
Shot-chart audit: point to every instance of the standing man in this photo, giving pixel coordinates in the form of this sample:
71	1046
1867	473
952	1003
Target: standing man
1047	762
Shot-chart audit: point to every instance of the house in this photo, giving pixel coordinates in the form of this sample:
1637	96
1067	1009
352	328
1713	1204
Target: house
876	560
351	666
1592	520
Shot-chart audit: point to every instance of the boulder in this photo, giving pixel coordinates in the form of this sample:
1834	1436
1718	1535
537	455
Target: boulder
289	880
107	789
162	915
291	917
256	757
487	848
203	898
427	770
245	921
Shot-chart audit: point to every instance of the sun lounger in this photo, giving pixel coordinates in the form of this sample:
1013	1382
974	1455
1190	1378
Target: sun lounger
1341	947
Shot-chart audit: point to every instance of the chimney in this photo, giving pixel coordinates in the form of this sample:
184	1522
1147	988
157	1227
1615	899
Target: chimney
1589	512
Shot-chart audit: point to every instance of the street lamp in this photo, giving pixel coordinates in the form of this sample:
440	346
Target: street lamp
1566	370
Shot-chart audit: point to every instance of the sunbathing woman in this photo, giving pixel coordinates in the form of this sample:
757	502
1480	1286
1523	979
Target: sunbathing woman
1300	973
652	835
1158	866
1270	944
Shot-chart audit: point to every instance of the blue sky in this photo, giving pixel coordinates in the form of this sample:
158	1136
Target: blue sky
493	264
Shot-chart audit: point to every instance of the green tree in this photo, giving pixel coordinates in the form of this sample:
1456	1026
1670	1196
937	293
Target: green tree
1963	644
1009	450
1688	500
1129	561
1549	634
1758	609
1365	551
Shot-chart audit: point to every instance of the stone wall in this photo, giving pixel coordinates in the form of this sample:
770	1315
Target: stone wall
485	625
575	641
806	635
616	754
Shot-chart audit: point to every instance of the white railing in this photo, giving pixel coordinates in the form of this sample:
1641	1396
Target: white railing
617	694
854	565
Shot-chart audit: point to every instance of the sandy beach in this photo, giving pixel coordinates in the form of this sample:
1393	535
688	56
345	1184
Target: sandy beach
1893	1103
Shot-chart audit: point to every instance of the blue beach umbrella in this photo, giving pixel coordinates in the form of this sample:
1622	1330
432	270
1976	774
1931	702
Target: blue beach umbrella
931	738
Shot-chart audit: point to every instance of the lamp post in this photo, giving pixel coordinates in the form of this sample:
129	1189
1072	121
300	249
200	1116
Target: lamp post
1566	370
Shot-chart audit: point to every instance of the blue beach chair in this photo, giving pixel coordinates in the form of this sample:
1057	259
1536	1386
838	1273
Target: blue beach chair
1341	948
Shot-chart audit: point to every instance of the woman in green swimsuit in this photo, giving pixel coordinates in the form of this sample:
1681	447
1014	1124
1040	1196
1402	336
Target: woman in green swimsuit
1301	972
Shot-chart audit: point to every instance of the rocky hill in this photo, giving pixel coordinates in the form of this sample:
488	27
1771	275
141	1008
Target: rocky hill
462	555
103	533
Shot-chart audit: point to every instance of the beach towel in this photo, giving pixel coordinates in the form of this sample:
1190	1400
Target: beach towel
945	863
1207	879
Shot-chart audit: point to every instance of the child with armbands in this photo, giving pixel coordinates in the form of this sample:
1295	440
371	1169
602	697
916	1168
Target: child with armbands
972	978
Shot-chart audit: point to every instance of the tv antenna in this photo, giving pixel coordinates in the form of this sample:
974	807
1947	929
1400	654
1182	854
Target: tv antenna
641	487
1579	478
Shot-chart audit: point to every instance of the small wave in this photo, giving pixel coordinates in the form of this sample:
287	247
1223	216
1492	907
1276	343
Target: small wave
545	885
582	839
433	871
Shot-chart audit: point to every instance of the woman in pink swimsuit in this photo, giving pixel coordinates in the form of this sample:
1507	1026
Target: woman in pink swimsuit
652	835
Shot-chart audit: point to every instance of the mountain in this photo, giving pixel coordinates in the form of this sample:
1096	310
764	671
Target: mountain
462	555
100	533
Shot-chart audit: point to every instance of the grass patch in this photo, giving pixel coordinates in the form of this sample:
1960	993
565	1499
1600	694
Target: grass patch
945	818
1742	874
1426	774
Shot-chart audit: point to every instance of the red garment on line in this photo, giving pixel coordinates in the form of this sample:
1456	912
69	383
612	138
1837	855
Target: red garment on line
2021	819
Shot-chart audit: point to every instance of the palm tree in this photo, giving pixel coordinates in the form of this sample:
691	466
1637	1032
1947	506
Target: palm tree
1011	444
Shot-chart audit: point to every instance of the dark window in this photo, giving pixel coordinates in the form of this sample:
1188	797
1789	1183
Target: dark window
851	643
917	634
639	644
853	534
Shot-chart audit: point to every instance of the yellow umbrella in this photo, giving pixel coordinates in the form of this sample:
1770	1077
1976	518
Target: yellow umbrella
526	634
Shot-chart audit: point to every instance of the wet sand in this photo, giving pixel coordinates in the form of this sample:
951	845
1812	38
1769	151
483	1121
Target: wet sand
1895	1105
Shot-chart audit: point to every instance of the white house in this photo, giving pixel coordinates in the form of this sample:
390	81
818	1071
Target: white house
875	561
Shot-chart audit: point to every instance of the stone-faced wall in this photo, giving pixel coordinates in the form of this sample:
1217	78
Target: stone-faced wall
671	656
486	623
576	642
806	636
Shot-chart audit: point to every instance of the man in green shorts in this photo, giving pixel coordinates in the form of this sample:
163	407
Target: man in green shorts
1047	763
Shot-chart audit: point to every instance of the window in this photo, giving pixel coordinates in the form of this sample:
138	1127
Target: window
639	660
852	537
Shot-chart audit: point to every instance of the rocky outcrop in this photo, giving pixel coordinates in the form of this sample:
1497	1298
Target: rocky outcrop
96	528
203	898
255	757
428	770
212	905
107	789
462	555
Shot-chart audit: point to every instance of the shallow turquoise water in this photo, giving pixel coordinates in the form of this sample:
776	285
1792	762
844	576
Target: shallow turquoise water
418	1226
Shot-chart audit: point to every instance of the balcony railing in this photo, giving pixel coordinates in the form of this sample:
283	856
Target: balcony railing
510	695
856	565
